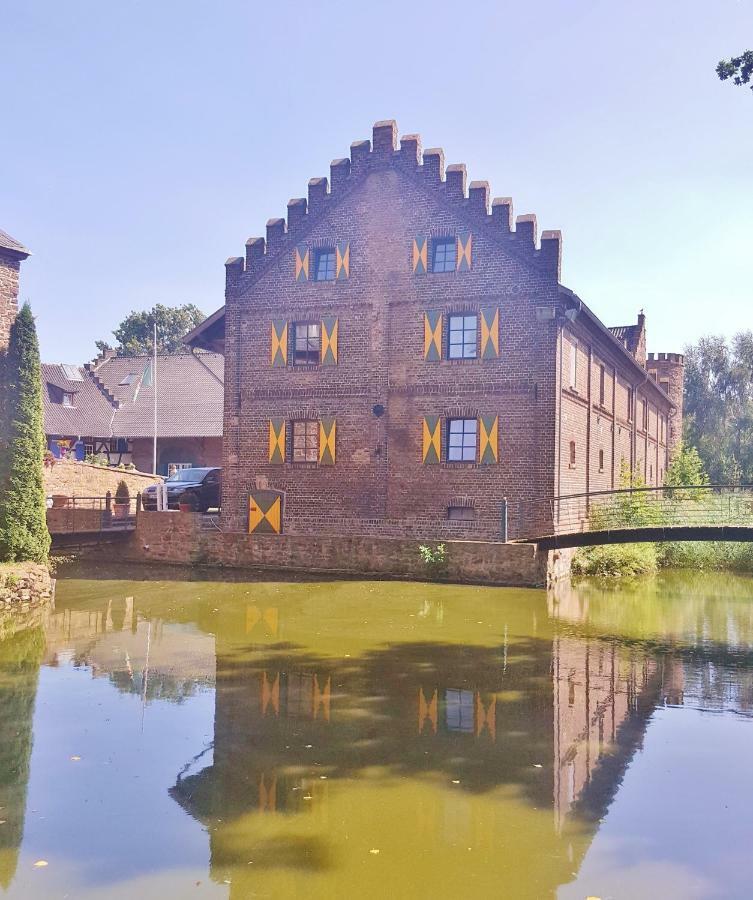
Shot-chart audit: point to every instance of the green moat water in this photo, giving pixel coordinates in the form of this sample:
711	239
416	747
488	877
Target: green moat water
185	738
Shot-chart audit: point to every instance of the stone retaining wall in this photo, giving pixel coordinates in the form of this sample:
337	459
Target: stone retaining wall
78	479
23	585
179	538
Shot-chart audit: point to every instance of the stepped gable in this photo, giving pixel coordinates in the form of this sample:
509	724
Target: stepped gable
427	168
471	202
92	411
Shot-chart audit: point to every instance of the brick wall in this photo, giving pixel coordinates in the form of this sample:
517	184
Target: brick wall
179	538
597	419
379	472
377	203
68	520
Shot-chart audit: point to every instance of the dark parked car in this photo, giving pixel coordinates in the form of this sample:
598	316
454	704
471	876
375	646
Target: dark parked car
204	484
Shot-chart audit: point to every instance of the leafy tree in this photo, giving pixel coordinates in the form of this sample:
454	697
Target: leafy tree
135	334
23	527
719	405
739	68
686	468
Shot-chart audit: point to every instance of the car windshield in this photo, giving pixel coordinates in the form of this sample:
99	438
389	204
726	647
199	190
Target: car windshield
192	475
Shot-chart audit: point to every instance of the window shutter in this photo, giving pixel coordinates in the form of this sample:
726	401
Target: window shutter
489	332
420	255
277	441
301	255
327	434
330	328
279	350
431	440
433	335
342	260
465	239
488	440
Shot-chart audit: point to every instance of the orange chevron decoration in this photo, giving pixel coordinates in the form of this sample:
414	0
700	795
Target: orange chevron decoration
277	441
464	252
330	328
301	256
268	795
488	439
327	432
420	256
431	440
342	261
279	346
489	332
265	512
432	335
270	618
321	697
270	694
486	718
427	709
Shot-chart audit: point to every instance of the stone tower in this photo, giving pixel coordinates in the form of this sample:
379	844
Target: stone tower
668	370
11	254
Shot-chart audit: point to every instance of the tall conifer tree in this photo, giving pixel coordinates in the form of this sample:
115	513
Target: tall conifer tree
23	527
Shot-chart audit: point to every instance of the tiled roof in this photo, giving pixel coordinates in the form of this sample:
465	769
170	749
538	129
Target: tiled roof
190	389
9	243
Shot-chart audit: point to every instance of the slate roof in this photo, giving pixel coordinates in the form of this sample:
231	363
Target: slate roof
190	390
629	335
90	416
9	243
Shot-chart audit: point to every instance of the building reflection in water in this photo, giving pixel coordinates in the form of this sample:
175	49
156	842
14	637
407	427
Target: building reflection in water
514	747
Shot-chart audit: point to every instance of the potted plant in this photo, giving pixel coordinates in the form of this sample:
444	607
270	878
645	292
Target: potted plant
188	502
122	503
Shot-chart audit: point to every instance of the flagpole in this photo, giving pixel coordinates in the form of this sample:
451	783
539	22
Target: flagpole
154	389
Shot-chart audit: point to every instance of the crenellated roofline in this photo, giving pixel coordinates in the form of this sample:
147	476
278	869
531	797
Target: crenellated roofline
427	169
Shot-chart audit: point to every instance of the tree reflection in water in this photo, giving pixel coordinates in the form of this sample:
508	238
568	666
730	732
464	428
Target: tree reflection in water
470	738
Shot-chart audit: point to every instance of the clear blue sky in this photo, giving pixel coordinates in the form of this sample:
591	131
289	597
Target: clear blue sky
143	141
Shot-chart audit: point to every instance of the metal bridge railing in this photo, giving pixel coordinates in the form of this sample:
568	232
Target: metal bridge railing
692	505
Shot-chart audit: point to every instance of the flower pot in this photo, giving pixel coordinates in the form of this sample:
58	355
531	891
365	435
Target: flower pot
120	510
186	507
59	501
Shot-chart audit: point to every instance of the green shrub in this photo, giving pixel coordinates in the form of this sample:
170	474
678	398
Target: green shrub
435	558
122	494
709	555
616	559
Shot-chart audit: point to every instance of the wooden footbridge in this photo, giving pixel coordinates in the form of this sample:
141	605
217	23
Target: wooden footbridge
718	512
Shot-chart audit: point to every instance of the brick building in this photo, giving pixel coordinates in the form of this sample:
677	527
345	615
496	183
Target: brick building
400	357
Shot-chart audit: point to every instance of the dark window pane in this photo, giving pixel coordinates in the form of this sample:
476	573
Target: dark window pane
462	333
459	711
443	257
324	269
